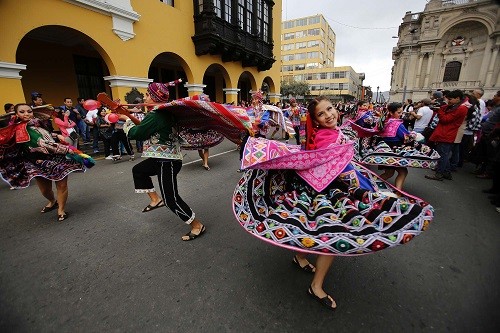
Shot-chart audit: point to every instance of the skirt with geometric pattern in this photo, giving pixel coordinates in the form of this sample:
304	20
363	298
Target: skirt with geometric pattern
344	219
18	168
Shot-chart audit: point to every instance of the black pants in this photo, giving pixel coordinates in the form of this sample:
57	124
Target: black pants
167	171
117	137
297	134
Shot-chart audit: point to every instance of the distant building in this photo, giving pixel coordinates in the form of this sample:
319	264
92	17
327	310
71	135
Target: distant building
72	48
308	55
452	44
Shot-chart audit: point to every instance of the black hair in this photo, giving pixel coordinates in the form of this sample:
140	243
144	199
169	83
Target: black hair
394	106
7	106
18	105
455	94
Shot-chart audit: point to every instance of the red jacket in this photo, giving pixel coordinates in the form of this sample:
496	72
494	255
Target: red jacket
451	118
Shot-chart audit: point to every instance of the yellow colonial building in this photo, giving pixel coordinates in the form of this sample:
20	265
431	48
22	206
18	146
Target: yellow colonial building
308	55
71	48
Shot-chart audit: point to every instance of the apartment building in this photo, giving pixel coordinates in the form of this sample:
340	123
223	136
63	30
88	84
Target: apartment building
308	55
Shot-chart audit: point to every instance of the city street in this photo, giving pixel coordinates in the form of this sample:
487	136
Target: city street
110	267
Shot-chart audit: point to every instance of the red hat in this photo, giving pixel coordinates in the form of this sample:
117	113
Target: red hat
159	91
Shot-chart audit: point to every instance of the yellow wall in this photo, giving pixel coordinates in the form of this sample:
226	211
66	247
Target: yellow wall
161	28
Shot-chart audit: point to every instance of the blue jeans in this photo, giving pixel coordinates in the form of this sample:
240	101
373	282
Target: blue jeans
82	128
444	149
455	156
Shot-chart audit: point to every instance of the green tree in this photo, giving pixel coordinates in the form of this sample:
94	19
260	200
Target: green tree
294	88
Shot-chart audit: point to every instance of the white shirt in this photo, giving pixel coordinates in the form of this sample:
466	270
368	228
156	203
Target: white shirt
91	115
482	108
426	114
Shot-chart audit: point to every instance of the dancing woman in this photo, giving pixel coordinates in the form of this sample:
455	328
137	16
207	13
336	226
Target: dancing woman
162	147
316	201
28	151
394	134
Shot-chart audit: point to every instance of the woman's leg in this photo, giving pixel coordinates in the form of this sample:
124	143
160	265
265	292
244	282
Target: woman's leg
323	264
400	178
45	187
388	173
62	194
204	157
303	262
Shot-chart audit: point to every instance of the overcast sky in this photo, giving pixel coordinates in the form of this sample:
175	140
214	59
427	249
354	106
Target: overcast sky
368	51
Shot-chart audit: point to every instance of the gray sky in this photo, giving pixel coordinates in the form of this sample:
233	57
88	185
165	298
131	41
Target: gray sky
368	51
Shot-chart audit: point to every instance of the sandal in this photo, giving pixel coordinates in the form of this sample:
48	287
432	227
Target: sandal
190	236
206	167
47	209
149	208
307	268
62	217
326	301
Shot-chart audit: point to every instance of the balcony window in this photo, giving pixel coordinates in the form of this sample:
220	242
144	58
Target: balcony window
249	8
267	23
228	9
300	67
218	8
169	2
241	14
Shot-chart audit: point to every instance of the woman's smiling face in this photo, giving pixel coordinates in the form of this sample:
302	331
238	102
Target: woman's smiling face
325	115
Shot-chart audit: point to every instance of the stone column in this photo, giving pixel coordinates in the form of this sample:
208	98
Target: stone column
194	88
231	95
10	84
419	70
428	70
274	98
491	66
121	85
486	58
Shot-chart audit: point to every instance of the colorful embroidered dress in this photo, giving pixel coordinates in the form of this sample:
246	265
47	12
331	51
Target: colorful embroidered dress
393	146
318	201
27	151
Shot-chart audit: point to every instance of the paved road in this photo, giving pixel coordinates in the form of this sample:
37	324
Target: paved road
110	267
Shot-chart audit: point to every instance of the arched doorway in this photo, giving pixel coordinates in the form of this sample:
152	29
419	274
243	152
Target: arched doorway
61	62
246	83
216	78
167	67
